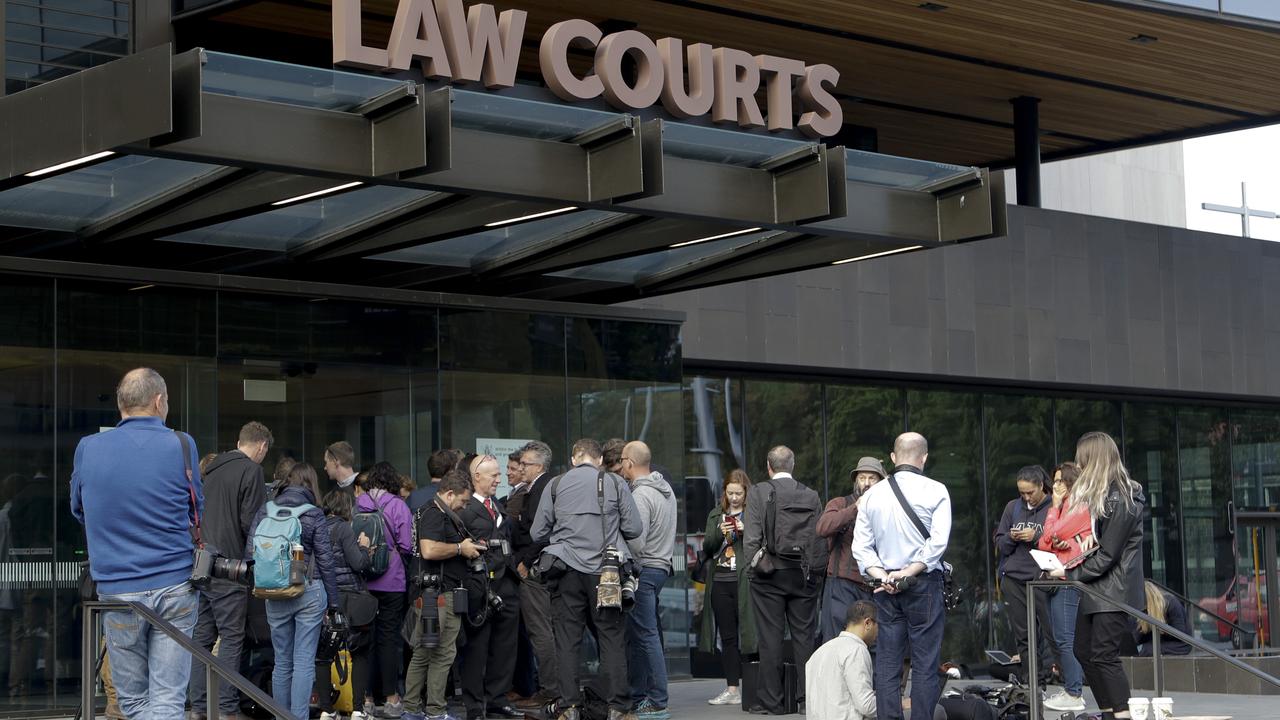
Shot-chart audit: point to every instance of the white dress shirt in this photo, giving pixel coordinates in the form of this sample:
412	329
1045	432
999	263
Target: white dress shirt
498	519
837	680
885	537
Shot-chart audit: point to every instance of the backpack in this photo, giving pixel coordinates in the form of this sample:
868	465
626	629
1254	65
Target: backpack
273	541
374	524
791	528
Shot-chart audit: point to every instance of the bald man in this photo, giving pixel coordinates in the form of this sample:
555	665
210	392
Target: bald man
653	551
901	532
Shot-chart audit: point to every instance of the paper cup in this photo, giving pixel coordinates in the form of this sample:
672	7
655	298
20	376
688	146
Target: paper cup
1139	708
1161	708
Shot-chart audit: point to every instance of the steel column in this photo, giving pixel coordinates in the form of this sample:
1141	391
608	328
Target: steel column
1026	149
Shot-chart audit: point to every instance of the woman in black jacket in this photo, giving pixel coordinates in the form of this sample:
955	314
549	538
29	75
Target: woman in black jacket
295	622
350	558
1113	569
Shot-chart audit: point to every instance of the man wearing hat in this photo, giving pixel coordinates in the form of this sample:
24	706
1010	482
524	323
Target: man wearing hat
845	585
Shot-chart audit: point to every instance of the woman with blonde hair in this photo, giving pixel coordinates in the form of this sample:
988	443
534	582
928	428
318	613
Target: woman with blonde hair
1164	607
1112	568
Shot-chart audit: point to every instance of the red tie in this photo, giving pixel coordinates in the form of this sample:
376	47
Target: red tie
488	504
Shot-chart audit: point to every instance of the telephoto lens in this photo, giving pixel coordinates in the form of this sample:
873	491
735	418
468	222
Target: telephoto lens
609	590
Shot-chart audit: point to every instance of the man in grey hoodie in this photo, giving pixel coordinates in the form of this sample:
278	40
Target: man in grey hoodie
653	552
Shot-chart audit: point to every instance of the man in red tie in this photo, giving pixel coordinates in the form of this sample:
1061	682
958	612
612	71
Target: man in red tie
489	659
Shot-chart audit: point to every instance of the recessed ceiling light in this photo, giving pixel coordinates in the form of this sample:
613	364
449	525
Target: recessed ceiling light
721	236
932	6
318	193
1143	39
535	216
876	255
71	163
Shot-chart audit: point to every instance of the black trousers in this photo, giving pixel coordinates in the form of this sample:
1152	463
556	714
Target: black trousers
359	670
222	612
724	603
386	664
1099	637
1015	598
573	602
783	597
489	659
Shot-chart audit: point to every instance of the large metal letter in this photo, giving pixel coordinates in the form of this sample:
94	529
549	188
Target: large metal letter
697	101
416	33
737	79
778	74
479	44
827	117
553	56
648	87
348	46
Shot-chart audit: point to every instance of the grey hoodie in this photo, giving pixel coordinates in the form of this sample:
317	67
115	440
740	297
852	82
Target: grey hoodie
656	502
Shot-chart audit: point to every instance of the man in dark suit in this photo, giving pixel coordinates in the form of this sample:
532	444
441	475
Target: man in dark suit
535	600
489	660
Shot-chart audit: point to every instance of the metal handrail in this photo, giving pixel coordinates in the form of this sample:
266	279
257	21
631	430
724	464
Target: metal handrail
1207	611
214	669
1033	680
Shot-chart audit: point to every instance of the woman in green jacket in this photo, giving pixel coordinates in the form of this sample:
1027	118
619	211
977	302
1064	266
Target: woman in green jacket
726	595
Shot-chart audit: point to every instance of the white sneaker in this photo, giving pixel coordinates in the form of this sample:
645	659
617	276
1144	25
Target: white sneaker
357	715
328	716
730	696
1064	702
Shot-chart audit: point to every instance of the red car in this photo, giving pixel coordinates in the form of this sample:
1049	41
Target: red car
1239	604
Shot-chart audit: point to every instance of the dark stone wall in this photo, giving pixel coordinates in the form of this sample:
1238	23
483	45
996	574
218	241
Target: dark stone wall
1063	299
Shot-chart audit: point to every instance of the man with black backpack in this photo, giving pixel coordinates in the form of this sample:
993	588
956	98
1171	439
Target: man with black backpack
786	562
898	540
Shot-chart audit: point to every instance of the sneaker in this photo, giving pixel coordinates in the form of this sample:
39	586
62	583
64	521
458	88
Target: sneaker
357	715
649	710
328	716
412	716
445	716
1062	701
730	696
369	710
392	711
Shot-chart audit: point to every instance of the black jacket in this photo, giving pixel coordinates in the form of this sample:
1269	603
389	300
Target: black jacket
317	544
234	491
524	548
1115	569
349	559
482	527
1015	557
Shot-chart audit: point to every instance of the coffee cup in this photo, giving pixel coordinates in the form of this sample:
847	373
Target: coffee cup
1139	708
1161	708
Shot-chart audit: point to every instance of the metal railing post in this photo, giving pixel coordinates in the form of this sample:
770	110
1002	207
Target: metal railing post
1157	676
1032	662
88	664
212	696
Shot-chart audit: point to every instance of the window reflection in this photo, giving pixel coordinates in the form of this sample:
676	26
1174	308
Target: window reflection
861	421
1204	465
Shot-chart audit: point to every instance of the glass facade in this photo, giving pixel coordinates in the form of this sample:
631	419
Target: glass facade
394	380
1192	460
47	39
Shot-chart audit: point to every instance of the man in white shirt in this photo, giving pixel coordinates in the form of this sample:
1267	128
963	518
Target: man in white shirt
904	550
838	674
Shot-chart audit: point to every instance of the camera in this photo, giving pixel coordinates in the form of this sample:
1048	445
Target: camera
898	584
478	564
427	580
429	623
495	602
500	546
609	589
207	563
630	584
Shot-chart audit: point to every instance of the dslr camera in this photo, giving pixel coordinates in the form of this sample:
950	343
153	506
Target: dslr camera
207	563
499	546
427	580
898	584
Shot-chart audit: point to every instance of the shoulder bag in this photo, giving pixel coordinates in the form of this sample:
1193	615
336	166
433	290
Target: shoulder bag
952	594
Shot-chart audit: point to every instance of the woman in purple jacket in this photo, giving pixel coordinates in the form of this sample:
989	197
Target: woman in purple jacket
383	493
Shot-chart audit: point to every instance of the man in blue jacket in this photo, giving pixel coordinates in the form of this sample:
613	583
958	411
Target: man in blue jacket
132	490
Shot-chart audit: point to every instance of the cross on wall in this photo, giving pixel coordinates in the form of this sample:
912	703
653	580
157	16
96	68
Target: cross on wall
1244	211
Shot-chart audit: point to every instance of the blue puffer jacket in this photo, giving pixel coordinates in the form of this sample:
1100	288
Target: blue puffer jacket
317	545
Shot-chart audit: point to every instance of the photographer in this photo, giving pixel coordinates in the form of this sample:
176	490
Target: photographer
234	490
489	658
586	518
137	489
445	550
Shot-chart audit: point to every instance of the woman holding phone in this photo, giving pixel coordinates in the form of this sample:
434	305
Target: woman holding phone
730	603
1067	533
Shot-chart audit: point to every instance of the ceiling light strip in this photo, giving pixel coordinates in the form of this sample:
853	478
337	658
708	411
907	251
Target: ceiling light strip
721	236
876	255
318	193
535	216
71	163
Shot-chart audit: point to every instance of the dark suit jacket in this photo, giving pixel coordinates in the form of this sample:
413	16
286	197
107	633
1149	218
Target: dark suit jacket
525	549
482	527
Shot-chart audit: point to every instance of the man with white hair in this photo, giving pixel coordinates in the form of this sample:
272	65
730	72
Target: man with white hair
899	538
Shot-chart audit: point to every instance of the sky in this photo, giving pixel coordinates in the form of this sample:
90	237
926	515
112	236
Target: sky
1216	165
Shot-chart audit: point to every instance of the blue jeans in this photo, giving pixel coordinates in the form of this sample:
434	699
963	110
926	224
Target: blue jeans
150	669
837	595
295	632
1062	614
910	622
646	663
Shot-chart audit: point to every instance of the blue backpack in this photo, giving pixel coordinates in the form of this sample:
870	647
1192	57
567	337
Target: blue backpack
273	542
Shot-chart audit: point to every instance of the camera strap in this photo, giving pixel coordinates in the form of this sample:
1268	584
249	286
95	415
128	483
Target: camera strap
604	535
191	486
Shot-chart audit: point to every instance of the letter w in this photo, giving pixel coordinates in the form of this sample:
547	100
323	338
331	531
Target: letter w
480	45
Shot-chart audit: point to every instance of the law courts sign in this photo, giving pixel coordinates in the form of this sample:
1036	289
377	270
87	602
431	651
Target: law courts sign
479	45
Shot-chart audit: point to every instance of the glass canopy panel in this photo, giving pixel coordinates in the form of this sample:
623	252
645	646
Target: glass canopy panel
727	147
75	200
898	172
492	243
289	84
293	225
629	270
506	115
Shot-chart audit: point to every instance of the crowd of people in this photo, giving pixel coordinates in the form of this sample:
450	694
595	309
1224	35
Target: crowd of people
439	584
